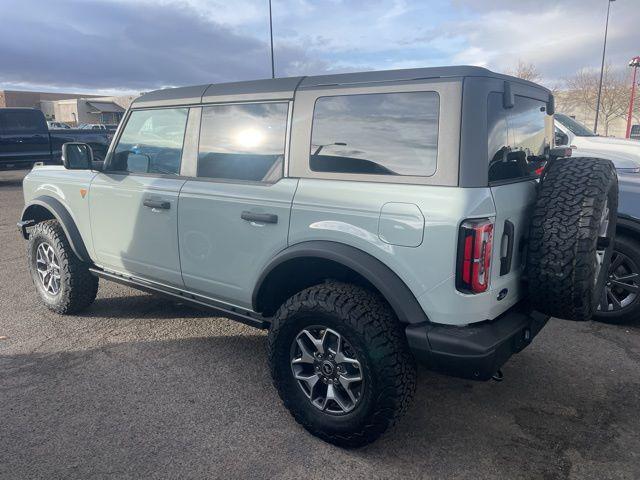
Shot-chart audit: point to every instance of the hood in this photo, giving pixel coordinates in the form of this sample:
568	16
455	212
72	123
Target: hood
624	162
623	145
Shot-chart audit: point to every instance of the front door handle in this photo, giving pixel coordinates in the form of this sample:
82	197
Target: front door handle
160	204
259	217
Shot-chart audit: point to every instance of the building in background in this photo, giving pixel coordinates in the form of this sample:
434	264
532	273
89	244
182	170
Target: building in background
19	98
76	111
71	108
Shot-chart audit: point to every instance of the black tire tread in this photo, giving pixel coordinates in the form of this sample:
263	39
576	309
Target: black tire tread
81	286
373	319
561	236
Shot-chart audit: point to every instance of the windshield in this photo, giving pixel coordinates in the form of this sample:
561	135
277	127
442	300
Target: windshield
576	127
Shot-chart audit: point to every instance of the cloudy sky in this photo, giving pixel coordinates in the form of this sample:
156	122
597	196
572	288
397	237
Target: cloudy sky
138	45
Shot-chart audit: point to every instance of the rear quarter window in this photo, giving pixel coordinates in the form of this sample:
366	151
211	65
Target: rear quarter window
380	134
517	137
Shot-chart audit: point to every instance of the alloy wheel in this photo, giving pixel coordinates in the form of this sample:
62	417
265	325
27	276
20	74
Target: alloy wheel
622	286
327	370
48	268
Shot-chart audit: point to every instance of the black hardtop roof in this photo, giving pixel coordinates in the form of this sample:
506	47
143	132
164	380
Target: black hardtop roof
284	88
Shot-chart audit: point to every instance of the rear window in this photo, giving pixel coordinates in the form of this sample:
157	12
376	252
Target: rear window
517	140
380	134
243	142
21	121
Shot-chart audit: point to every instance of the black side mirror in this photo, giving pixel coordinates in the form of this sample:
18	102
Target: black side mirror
551	105
561	139
77	156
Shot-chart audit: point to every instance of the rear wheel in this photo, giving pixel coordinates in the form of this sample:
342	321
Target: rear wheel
620	300
341	364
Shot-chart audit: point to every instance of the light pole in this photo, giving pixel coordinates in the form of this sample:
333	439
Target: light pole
604	51
273	67
635	63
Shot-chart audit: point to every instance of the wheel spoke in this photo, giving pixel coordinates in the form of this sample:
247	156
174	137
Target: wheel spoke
309	380
332	394
306	357
615	302
625	278
625	286
317	342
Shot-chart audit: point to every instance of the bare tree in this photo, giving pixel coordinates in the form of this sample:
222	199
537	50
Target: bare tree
582	93
526	71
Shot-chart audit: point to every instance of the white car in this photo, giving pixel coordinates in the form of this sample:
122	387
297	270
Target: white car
624	153
57	126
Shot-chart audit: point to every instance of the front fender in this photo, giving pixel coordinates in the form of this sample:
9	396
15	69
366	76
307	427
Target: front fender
32	212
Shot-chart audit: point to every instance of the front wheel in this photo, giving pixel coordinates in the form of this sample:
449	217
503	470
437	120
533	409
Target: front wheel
62	280
341	363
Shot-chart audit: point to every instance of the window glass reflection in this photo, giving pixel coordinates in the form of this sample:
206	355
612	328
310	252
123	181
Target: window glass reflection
390	133
151	142
243	142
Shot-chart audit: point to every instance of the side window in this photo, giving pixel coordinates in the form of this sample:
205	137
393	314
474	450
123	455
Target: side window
517	141
151	142
243	142
384	134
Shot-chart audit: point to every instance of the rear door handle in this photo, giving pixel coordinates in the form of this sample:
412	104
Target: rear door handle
259	217
505	261
160	204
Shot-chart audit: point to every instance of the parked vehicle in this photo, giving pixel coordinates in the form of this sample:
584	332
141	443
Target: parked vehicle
367	220
625	154
97	126
635	132
621	298
26	139
58	126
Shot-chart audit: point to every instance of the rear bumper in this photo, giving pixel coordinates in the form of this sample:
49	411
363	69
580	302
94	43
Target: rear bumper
475	351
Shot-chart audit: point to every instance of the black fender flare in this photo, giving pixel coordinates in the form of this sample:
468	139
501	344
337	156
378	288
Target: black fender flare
64	218
388	283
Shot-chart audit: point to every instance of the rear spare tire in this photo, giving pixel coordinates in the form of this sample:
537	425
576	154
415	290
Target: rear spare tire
571	236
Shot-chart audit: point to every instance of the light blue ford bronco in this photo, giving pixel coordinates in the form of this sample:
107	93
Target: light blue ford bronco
368	220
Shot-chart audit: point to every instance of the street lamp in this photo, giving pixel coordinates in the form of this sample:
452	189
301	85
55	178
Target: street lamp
604	51
273	67
635	63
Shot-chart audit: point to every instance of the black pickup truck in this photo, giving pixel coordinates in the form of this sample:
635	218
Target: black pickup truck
26	139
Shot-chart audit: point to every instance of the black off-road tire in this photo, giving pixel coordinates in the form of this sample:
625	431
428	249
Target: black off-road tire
562	268
370	326
625	265
78	287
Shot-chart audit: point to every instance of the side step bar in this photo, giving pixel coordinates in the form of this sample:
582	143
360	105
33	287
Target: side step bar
247	317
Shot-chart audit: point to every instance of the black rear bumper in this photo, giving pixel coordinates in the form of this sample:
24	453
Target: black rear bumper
475	351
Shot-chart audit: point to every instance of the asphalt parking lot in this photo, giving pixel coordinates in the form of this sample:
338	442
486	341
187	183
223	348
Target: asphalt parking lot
139	387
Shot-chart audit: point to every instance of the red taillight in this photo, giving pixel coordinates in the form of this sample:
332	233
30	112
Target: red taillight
474	256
